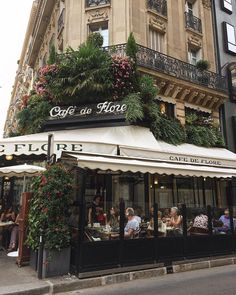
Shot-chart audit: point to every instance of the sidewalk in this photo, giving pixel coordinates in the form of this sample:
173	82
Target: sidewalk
23	281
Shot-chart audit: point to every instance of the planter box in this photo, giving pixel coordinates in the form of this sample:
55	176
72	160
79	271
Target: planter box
56	263
34	259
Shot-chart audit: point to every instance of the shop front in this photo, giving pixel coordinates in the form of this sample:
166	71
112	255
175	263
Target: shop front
126	167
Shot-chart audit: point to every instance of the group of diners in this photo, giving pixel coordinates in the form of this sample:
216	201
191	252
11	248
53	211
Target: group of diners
169	221
9	219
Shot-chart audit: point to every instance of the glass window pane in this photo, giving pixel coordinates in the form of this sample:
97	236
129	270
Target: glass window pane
231	34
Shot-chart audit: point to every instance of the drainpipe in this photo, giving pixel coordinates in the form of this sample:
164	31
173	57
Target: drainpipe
216	39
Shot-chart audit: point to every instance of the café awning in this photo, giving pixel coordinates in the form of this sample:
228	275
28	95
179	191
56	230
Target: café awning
127	141
135	165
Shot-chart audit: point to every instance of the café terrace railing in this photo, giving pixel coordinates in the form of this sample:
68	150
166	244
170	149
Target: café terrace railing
160	6
171	66
92	3
193	22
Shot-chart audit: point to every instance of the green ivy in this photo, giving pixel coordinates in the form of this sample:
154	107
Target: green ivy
32	117
48	207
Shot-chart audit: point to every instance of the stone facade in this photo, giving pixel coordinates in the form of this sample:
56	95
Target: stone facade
158	24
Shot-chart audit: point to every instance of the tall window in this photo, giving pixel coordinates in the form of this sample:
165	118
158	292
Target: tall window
156	40
230	38
226	5
101	28
194	55
189	7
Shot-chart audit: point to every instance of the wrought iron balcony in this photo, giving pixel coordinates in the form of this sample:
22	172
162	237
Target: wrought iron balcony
160	6
171	66
61	21
92	3
193	22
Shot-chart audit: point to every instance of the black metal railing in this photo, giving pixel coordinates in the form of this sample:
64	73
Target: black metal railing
61	21
171	66
160	6
91	3
193	22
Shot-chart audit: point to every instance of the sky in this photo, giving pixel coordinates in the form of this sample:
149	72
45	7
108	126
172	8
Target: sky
14	16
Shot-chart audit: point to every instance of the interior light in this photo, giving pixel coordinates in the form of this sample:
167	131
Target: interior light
9	157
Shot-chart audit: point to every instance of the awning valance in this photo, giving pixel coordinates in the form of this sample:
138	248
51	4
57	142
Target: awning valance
134	165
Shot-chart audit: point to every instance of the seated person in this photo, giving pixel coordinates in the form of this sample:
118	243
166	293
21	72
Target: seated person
200	223
114	218
166	215
225	219
14	235
161	224
101	217
8	215
175	221
132	227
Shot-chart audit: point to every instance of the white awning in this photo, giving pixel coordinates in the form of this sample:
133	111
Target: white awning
125	165
128	141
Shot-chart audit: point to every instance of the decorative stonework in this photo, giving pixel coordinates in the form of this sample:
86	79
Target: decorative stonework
194	41
206	4
98	15
157	24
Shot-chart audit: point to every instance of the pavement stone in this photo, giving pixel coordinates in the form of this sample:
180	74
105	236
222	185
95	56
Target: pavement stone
24	281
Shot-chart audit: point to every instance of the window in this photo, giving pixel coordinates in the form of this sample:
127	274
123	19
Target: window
229	38
193	55
101	28
156	40
189	7
226	5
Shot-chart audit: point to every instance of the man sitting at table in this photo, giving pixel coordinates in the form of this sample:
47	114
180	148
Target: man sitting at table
225	219
132	227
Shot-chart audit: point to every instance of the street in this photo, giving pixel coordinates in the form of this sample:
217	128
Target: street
214	281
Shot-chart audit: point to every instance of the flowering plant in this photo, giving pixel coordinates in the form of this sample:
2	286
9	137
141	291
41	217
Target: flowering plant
123	74
46	74
48	209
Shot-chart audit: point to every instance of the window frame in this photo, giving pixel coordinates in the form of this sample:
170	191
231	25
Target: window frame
227	42
227	6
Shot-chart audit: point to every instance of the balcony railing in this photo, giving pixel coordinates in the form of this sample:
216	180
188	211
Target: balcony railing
61	21
171	66
92	3
160	6
193	22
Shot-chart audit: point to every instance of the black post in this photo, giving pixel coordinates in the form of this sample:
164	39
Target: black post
231	220
155	217
184	215
81	179
209	214
122	225
49	150
40	258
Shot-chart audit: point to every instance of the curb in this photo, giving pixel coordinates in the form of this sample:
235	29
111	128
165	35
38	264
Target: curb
65	284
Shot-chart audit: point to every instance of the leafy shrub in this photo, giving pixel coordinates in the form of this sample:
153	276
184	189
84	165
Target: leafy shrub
48	207
168	130
33	115
148	90
95	39
131	47
134	110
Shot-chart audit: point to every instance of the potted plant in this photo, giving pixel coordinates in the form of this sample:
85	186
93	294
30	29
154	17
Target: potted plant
47	218
203	76
203	65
